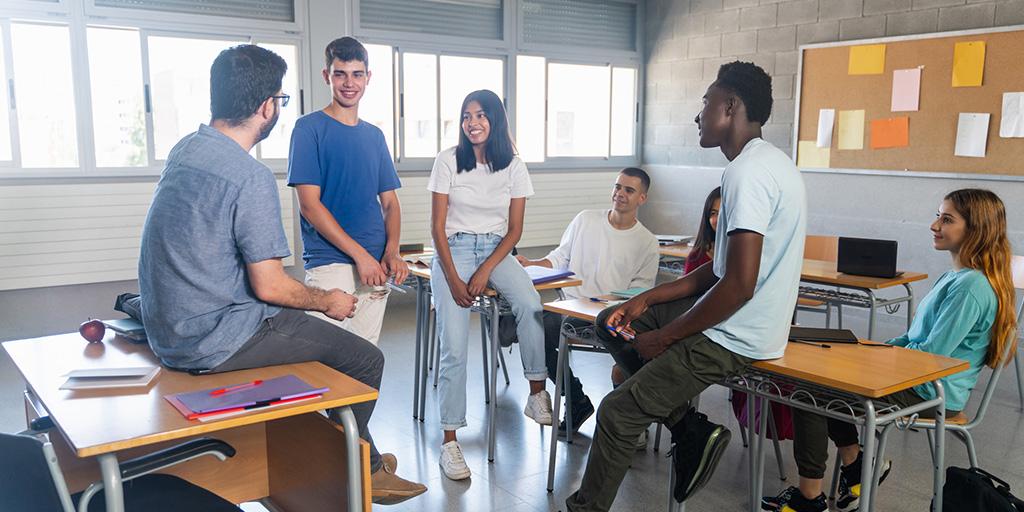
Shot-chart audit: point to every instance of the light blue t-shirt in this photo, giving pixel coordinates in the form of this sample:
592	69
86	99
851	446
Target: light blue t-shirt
352	166
762	191
215	209
954	320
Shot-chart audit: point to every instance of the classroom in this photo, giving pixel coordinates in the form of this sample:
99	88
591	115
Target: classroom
694	255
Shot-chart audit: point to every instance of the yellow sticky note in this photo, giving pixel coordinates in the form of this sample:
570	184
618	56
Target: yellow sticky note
808	154
867	59
851	129
968	64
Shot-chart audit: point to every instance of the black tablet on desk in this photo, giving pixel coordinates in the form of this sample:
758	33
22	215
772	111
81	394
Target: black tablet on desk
822	335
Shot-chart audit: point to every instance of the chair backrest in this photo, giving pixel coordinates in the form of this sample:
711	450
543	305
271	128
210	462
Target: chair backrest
1017	271
820	247
27	476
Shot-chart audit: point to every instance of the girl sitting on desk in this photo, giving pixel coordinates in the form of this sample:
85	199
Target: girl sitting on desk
967	315
479	198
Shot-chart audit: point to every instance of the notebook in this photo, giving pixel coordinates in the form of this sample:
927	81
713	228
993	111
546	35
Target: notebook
541	274
268	391
128	327
824	335
673	239
111	378
630	293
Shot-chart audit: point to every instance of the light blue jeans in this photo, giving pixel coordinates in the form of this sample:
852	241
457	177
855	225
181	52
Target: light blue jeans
511	281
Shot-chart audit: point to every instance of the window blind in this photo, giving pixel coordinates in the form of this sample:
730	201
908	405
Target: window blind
480	19
600	24
272	10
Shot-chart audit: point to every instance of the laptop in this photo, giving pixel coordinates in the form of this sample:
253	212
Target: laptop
818	334
867	257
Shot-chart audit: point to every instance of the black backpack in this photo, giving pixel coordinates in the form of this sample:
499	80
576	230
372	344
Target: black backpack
977	489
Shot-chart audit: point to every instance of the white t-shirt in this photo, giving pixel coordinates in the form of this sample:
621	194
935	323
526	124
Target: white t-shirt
478	200
762	191
605	258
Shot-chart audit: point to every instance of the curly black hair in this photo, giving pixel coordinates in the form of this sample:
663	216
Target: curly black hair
754	87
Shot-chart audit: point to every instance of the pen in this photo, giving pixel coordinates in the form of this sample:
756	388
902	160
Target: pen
805	342
625	334
395	287
598	299
229	389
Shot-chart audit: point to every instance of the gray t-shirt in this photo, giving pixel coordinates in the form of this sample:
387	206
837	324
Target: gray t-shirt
215	209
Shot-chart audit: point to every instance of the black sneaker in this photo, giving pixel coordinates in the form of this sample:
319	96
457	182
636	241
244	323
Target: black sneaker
775	503
697	446
581	412
797	503
849	484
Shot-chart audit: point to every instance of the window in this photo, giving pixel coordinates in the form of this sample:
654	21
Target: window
118	104
277	143
459	77
530	82
378	104
419	105
5	107
45	95
578	117
624	109
179	77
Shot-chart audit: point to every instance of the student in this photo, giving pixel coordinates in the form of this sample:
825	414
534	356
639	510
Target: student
479	191
704	245
967	315
609	250
719	319
215	296
345	180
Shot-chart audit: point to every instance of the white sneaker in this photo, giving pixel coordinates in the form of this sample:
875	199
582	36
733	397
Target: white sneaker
538	407
452	462
641	442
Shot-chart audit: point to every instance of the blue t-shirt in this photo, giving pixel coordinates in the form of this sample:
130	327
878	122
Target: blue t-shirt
215	209
352	167
955	320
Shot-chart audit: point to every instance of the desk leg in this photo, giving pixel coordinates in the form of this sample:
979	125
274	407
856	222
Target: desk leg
755	499
559	376
871	315
352	451
910	303
492	426
868	458
112	490
419	341
762	436
940	447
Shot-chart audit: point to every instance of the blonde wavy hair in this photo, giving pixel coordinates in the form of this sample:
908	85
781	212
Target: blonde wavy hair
986	248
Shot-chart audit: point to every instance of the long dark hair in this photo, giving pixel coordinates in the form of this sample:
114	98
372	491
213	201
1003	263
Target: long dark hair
499	147
705	233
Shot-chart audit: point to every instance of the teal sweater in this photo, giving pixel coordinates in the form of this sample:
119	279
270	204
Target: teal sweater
954	320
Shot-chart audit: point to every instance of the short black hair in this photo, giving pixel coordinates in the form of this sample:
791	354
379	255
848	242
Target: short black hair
637	172
754	87
346	49
499	148
241	79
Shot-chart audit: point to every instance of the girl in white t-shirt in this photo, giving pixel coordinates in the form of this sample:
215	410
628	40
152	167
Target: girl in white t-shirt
479	191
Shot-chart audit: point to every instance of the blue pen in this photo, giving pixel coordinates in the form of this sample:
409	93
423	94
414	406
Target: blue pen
625	334
598	299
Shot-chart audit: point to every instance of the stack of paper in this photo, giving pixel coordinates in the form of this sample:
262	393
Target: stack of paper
673	239
111	378
240	398
630	293
541	274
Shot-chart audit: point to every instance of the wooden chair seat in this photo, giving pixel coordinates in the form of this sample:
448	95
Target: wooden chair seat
959	419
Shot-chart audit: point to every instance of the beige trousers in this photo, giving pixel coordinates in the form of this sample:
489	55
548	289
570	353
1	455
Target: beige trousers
369	314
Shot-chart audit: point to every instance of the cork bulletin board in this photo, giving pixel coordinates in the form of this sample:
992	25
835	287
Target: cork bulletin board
826	83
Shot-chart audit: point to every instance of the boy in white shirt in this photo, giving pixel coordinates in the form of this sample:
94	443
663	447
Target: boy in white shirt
609	250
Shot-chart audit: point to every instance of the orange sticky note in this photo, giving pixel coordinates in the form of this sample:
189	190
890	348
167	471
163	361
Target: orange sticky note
890	133
968	64
867	59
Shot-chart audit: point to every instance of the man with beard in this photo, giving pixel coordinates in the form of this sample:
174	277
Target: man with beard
215	296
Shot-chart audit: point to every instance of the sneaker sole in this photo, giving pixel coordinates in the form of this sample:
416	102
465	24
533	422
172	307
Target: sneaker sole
709	460
548	422
396	498
854	505
457	476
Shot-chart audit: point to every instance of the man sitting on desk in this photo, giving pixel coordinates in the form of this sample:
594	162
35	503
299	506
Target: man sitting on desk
717	320
609	250
215	296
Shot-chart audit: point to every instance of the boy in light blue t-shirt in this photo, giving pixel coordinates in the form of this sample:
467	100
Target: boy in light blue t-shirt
677	339
346	181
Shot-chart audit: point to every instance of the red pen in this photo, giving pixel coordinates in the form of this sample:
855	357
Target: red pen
229	389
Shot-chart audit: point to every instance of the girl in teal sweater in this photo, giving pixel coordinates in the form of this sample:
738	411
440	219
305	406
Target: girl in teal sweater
967	315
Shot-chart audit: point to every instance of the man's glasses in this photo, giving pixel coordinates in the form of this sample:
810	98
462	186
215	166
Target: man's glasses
284	99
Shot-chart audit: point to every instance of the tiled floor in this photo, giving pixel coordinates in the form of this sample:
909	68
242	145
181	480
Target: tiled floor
516	481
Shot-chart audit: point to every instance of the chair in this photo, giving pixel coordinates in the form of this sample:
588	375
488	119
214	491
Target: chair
824	248
1017	269
31	479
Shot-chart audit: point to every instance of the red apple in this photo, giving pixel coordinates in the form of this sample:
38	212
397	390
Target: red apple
92	330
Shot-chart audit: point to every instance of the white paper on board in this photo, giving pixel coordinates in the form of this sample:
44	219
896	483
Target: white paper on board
972	134
1011	124
826	119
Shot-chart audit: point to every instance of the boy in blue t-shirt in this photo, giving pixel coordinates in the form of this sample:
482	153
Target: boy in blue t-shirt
343	173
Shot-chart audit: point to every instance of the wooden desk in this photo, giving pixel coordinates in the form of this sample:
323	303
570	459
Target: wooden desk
824	272
291	454
675	250
867	373
422	271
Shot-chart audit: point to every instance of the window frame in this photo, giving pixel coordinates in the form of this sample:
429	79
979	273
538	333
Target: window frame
146	23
